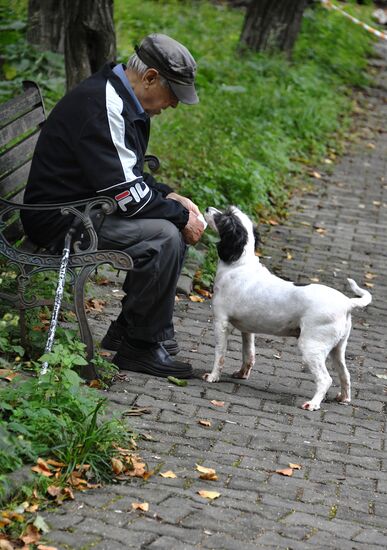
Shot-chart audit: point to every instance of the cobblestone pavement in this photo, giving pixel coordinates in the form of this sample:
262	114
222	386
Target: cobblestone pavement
337	229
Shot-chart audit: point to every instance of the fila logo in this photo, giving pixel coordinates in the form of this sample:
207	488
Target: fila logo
137	192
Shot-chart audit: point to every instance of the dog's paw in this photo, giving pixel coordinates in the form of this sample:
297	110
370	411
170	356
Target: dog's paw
242	374
210	377
310	406
342	399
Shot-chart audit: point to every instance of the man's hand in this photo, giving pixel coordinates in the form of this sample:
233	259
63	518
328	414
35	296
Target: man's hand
193	230
189	205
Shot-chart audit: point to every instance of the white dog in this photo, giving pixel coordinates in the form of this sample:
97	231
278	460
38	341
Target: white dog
249	297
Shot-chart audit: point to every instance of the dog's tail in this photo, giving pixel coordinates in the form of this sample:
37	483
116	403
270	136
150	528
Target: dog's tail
365	296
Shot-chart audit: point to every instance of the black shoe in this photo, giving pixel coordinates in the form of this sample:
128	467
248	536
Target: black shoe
155	361
113	338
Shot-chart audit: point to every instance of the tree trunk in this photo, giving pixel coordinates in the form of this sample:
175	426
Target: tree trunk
45	25
272	25
90	39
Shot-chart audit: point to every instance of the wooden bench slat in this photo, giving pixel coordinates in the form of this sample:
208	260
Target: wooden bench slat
18	154
12	183
19	105
26	122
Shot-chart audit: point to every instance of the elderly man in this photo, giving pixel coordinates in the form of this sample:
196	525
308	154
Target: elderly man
94	142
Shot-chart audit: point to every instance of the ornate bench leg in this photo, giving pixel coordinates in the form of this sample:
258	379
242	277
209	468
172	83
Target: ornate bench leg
88	372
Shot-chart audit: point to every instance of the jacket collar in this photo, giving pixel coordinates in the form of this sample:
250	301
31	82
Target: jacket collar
123	92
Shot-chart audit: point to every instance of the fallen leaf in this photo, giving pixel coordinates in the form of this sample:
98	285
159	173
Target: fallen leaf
177	381
55	463
94	304
314	279
206	423
8	374
32	508
383	376
136	467
321	230
54	490
40	524
31	534
211	495
95	384
6	545
371	145
217	403
369	285
294	466
42	468
194	298
316	175
206	473
168	474
327	161
272	222
44	547
289	256
203	292
105	353
285	472
117	465
143	506
4	522
370	276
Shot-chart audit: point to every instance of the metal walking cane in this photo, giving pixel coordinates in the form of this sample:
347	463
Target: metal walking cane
58	296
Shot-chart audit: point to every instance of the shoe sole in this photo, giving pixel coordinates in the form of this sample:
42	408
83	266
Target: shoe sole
145	368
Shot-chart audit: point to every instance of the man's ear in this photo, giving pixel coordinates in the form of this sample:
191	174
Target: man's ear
149	77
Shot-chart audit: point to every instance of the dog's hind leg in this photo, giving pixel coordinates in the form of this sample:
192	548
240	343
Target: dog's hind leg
338	359
248	354
222	330
315	356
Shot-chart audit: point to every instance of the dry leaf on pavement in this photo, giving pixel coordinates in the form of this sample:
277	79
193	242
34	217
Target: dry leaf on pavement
143	506
194	298
285	472
168	474
211	495
295	466
206	473
203	422
217	403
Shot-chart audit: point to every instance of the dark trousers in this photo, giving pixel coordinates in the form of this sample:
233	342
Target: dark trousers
157	249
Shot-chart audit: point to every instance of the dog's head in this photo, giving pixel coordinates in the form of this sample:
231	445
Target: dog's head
236	231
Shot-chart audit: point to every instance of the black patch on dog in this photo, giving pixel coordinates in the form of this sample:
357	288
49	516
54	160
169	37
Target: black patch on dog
301	284
233	236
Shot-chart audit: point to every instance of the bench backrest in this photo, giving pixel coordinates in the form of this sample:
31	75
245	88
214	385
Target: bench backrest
20	122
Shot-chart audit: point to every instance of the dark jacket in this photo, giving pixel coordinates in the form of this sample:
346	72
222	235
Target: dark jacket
93	143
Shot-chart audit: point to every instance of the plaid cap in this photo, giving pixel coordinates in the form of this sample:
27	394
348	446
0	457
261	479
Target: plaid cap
173	61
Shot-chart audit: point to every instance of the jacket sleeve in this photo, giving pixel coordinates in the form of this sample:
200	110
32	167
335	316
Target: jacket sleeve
109	159
152	182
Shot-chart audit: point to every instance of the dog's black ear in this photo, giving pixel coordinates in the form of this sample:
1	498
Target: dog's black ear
257	237
233	236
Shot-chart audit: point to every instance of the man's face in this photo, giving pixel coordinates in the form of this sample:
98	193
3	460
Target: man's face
155	97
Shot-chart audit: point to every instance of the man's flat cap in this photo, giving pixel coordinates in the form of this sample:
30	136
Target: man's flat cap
173	61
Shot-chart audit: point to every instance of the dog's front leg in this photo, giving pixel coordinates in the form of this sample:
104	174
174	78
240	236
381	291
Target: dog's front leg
248	354
221	329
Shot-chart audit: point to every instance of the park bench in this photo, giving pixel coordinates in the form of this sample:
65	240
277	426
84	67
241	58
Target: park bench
20	121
